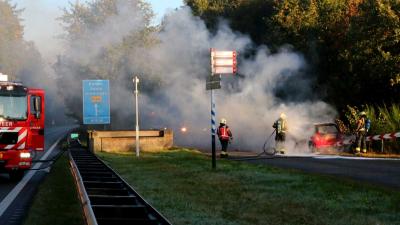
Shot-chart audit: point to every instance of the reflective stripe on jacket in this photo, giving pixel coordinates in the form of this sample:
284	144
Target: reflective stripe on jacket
224	133
361	124
280	126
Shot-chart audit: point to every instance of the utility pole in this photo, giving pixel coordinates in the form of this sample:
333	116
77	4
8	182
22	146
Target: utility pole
136	81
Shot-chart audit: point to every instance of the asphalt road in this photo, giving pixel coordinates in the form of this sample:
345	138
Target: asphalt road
383	172
13	212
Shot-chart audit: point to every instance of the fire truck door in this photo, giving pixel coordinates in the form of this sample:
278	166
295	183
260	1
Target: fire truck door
36	117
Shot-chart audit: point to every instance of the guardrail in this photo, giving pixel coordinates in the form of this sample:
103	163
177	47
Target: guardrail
87	208
106	198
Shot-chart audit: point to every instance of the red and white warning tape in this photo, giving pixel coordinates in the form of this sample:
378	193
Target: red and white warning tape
383	136
350	140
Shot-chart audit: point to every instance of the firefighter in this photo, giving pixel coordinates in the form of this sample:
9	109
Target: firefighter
280	126
361	131
224	135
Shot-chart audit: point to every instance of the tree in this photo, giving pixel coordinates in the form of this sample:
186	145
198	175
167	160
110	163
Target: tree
245	16
18	58
352	46
11	40
10	27
374	56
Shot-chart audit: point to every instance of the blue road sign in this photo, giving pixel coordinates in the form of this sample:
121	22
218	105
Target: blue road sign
96	101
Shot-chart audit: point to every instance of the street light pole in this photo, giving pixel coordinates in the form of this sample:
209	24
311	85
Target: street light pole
136	81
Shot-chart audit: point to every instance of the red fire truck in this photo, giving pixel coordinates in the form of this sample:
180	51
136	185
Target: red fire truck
21	126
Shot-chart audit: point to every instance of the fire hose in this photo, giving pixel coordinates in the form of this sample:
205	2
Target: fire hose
266	144
52	160
265	149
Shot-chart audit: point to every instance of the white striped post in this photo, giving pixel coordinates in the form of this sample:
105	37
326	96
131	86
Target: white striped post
213	129
213	153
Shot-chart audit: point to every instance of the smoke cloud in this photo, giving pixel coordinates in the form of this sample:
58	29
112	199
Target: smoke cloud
180	61
113	30
41	26
249	104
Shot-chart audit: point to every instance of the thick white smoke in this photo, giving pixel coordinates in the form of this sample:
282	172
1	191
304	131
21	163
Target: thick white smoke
113	30
183	60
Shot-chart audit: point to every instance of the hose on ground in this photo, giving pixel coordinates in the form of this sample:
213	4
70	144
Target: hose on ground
53	159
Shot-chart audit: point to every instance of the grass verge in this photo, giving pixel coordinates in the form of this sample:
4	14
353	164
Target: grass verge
182	186
56	201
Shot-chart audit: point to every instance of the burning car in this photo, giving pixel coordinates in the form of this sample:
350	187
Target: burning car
326	137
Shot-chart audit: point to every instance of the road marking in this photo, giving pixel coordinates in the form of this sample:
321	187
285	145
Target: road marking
17	189
354	158
315	156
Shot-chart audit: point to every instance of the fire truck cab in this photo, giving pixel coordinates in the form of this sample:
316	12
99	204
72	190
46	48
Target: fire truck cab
21	126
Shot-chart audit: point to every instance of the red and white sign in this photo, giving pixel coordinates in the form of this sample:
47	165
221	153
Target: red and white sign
383	136
378	137
223	62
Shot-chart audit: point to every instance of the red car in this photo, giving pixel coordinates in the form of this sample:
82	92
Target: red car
326	137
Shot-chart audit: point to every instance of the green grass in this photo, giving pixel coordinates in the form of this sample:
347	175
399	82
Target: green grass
182	186
56	202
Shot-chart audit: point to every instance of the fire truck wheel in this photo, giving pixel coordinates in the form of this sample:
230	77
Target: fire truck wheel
16	175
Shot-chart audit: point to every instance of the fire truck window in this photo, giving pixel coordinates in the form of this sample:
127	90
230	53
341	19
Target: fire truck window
33	111
38	103
13	107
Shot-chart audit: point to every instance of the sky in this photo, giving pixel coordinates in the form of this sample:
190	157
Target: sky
41	26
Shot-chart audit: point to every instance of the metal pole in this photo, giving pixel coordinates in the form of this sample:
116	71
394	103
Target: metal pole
213	128
136	81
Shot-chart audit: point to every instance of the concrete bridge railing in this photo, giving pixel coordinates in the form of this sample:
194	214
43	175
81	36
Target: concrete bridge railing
125	141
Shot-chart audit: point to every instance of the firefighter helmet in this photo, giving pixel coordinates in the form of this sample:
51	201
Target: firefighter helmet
363	113
282	116
223	121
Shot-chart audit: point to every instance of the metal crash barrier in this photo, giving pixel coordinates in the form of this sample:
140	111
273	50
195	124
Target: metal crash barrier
106	198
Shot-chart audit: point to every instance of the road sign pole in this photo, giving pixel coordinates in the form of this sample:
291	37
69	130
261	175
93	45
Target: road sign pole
136	81
213	128
222	62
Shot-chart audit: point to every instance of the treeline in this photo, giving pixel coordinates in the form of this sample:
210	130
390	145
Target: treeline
18	58
11	33
352	46
21	60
